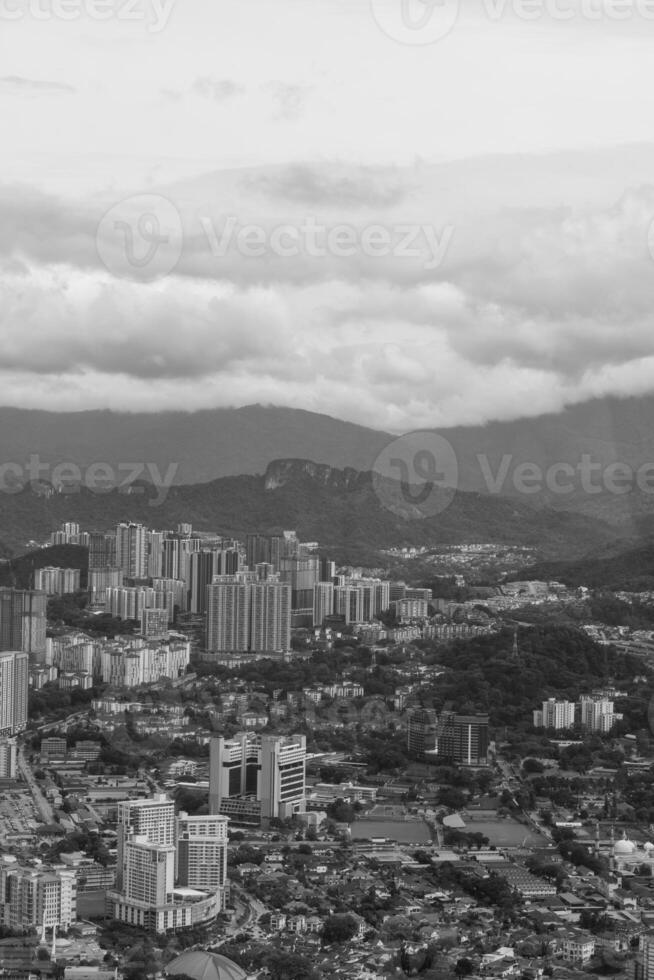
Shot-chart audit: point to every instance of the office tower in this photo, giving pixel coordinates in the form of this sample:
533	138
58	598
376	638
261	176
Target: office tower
270	623
327	570
282	790
323	602
555	714
33	898
154	623
463	739
57	581
202	853
102	550
228	615
8	758
23	622
132	550
253	778
101	579
421	731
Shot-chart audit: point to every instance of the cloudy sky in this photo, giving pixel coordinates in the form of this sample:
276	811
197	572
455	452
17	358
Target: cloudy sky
392	211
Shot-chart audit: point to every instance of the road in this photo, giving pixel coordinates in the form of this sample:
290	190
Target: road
42	805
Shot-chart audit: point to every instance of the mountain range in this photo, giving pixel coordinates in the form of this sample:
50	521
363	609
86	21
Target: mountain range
262	467
348	512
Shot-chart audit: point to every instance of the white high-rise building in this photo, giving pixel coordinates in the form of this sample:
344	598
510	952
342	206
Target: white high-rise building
555	714
202	853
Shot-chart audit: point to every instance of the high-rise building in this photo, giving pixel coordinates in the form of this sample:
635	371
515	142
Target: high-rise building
247	615
152	819
228	615
23	622
101	579
148	853
8	758
154	623
323	602
253	778
270	617
128	602
155	553
282	787
57	581
421	731
597	714
102	550
203	567
463	739
555	714
14	685
33	898
202	853
132	550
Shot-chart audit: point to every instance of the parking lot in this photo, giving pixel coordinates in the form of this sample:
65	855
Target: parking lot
18	817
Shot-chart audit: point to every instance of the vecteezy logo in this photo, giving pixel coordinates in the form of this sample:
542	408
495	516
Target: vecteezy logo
416	21
141	238
416	476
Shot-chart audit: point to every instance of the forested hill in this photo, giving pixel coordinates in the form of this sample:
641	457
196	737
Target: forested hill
631	570
555	661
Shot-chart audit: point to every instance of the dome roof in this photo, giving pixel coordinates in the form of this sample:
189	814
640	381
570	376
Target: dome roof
205	966
624	846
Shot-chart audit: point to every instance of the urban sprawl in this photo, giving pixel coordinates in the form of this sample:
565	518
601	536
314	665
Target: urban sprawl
231	758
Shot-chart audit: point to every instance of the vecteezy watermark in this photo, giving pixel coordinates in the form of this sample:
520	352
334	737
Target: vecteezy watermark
155	13
98	478
143	238
416	21
416	476
315	240
420	22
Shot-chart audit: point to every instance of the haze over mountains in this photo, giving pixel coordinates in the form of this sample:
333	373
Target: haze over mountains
248	468
222	442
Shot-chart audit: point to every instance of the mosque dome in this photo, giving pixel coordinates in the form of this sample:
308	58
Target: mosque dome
624	847
205	966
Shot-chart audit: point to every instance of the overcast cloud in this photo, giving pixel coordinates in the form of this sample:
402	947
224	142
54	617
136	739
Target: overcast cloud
528	282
